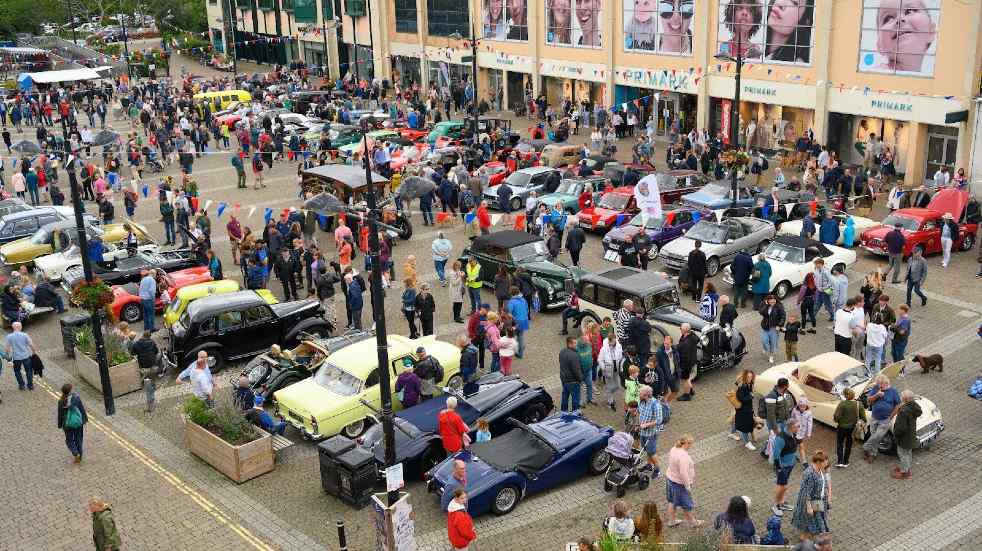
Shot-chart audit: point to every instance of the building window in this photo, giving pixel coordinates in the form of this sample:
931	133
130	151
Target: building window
574	22
304	11
246	4
406	16
779	34
665	28
447	17
327	9
287	5
505	20
354	8
883	48
267	4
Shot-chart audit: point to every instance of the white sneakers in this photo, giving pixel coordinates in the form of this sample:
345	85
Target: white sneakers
734	436
771	359
750	446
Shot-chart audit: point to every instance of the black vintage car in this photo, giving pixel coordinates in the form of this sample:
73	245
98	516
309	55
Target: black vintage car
516	249
494	397
127	270
235	326
267	373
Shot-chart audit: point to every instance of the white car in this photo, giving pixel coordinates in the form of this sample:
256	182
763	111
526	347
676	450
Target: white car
793	227
792	257
53	266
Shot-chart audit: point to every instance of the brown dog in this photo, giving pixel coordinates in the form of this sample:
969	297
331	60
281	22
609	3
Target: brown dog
934	361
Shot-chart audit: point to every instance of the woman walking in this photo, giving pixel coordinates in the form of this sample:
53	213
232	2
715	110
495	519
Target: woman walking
678	482
810	513
458	290
409	306
502	284
807	297
743	417
735	523
72	418
847	414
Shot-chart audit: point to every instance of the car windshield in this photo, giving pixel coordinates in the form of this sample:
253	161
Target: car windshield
908	224
716	189
707	232
568	187
786	253
652	222
614	201
518	179
662	299
850	379
337	380
529	250
40	237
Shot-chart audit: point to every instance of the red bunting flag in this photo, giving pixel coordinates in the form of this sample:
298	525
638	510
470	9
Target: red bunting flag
812	207
669	216
441	217
519	222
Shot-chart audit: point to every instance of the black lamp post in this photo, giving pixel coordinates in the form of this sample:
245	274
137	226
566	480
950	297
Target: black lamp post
474	113
735	114
126	45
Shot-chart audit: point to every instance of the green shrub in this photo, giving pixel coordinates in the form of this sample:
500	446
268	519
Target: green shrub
116	350
224	419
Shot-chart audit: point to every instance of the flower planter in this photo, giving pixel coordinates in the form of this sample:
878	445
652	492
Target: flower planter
240	463
125	377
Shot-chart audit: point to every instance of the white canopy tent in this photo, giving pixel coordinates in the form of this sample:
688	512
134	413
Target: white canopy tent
68	75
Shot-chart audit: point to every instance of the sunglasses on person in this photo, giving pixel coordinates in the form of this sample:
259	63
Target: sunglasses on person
667	9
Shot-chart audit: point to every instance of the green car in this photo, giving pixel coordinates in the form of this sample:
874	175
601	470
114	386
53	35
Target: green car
375	135
569	190
446	129
517	249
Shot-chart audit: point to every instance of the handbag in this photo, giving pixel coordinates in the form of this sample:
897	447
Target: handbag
859	431
818	505
731	397
73	418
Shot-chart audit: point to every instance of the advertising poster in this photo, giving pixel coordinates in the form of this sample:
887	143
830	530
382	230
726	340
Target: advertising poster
774	31
662	26
899	36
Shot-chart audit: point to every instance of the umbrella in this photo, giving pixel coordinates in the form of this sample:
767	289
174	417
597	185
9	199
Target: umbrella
324	204
26	147
105	137
413	187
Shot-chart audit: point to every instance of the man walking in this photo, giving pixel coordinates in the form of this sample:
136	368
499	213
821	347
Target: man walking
784	455
148	295
697	270
575	238
895	241
916	275
570	375
20	349
650	423
741	269
826	289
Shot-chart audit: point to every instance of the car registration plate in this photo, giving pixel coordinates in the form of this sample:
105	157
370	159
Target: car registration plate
612	256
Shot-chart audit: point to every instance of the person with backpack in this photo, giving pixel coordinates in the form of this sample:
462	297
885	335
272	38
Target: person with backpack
72	418
784	455
430	373
651	421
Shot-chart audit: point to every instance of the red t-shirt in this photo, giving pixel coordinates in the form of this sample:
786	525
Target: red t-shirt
452	431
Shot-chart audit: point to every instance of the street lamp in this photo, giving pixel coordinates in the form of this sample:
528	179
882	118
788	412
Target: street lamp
735	113
474	113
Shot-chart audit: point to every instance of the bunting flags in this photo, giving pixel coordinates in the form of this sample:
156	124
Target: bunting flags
267	214
519	222
696	215
221	208
252	210
469	217
207	204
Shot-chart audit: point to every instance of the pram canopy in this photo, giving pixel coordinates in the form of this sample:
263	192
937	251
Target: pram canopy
620	445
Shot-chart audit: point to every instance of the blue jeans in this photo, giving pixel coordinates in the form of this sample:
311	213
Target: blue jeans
768	338
475	295
588	381
570	391
441	266
35	197
170	236
148	320
874	355
915	286
826	300
520	339
427	215
28	366
897	349
495	362
73	439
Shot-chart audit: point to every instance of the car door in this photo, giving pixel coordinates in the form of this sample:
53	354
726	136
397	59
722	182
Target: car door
681	222
25	227
736	240
259	329
229	334
929	236
490	260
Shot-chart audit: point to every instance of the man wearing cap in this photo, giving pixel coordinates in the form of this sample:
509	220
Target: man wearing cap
259	417
430	373
895	241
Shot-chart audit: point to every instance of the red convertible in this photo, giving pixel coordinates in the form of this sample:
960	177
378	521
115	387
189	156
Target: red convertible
412	133
126	298
922	226
616	207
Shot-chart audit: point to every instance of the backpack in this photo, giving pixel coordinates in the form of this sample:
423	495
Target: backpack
666	414
73	418
762	406
764	165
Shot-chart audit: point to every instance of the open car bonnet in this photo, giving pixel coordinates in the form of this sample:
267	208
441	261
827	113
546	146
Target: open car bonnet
950	200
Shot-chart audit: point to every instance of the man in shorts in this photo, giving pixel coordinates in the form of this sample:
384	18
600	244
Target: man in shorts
784	454
650	423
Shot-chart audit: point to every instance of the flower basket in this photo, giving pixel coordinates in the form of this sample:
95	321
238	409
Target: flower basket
93	296
223	438
735	158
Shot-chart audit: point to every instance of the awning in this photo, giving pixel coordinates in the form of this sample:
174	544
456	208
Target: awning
69	75
20	50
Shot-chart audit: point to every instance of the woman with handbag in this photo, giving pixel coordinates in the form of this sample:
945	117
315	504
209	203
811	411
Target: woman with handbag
811	511
742	400
850	422
72	418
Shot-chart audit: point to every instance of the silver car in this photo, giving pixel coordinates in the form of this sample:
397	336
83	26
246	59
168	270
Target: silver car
720	242
522	183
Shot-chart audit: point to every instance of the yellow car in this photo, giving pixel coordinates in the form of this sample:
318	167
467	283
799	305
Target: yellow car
187	294
330	402
57	236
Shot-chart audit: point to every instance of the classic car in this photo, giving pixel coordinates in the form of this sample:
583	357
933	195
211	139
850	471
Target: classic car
791	205
448	156
492	173
823	378
126	297
720	242
446	129
526	460
718	195
559	155
59	236
20	224
861	224
674	184
672	224
495	398
615	170
331	401
236	326
12	205
603	293
522	183
614	208
268	373
791	258
922	226
373	136
595	163
569	190
127	269
414	134
516	249
53	266
185	295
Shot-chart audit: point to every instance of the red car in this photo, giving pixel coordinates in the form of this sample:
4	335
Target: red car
494	171
126	298
922	226
672	185
616	207
412	133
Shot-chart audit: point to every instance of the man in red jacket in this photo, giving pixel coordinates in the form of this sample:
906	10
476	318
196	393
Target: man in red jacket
453	429
460	526
483	218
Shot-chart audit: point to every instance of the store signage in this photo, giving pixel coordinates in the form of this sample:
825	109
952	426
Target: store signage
582	71
755	90
763	91
659	79
505	61
903	107
895	106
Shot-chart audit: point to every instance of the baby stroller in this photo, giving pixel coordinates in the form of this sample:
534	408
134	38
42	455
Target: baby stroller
629	465
153	165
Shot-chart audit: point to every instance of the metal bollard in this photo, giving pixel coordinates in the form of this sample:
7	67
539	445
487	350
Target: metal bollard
342	540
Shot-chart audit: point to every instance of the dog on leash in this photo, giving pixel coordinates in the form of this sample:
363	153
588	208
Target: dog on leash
927	363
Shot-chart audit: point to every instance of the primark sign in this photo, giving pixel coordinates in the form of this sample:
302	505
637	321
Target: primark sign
661	79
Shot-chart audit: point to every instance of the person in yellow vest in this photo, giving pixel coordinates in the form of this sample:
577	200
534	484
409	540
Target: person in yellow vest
474	283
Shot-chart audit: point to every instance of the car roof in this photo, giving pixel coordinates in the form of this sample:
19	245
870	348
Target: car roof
623	190
915	212
505	239
223	302
831	364
29	213
352	358
629	280
199	290
802	243
536	170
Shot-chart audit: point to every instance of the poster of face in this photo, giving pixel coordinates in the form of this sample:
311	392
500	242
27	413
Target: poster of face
899	36
662	26
574	22
777	31
505	20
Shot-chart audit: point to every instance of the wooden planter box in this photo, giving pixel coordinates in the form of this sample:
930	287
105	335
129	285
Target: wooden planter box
240	463
125	378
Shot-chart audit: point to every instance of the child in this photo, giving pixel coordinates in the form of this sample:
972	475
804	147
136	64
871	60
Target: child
632	388
606	327
506	350
483	430
773	535
876	338
803	415
631	421
791	329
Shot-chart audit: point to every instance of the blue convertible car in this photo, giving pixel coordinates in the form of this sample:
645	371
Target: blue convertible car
719	195
495	397
529	459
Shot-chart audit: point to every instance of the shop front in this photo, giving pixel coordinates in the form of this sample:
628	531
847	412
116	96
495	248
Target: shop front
511	74
446	65
666	94
406	70
580	82
772	115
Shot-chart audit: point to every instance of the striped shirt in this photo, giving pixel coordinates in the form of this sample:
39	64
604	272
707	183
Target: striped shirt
621	319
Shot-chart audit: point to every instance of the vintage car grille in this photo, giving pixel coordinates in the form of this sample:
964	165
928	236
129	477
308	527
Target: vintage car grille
875	243
929	431
672	260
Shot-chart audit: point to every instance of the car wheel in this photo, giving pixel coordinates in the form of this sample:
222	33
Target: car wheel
456	383
608	486
405	227
516	204
763	245
599	461
621	490
712	266
217	361
653	252
431	457
505	500
782	290
967	242
131	313
355	429
533	414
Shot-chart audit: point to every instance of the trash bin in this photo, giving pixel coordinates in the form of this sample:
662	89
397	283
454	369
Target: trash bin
70	323
357	475
328	451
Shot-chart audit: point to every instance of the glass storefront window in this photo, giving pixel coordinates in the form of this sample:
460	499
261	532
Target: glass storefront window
406	16
447	17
